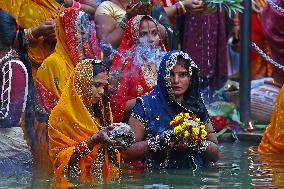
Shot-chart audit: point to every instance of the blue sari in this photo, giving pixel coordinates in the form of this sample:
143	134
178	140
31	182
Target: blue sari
158	108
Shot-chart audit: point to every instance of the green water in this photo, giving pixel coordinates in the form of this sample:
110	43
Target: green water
239	167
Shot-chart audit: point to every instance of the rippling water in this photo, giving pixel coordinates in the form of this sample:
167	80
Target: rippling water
239	167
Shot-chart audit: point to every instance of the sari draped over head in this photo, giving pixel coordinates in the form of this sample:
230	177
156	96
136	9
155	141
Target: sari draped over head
72	121
272	141
76	41
31	14
157	109
131	81
273	30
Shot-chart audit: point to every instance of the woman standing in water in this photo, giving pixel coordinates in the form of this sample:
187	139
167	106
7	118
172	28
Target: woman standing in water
177	91
136	64
16	98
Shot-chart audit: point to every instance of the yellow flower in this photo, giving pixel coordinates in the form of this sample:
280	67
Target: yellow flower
187	116
177	118
186	133
195	131
202	126
197	120
203	134
172	123
177	129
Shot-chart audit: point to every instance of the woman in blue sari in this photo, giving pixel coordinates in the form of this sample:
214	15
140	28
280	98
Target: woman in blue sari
177	91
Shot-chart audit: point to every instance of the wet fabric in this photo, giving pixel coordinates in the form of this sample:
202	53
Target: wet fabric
272	141
72	121
157	109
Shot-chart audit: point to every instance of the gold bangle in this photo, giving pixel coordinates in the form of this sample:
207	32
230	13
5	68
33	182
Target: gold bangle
182	7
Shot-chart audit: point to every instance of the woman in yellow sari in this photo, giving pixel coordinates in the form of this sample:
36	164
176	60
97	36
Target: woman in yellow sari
76	41
37	17
76	134
73	28
272	141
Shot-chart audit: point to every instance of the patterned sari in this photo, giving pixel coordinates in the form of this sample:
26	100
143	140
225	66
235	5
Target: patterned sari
76	40
272	141
31	14
72	29
271	17
72	121
157	109
134	78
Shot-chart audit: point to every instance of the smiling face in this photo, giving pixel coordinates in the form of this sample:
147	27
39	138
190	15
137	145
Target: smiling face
180	81
148	32
100	81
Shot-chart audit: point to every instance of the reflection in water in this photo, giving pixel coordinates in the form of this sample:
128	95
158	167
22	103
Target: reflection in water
239	167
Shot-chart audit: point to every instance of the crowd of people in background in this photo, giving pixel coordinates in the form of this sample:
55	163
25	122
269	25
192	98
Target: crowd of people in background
69	69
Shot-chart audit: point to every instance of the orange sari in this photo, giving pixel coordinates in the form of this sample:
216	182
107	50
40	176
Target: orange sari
273	139
72	121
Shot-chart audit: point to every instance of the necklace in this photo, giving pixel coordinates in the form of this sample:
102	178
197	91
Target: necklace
7	56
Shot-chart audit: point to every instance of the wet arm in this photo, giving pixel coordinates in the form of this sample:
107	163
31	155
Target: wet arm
212	153
140	148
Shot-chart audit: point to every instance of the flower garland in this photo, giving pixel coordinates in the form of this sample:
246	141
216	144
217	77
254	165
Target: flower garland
189	129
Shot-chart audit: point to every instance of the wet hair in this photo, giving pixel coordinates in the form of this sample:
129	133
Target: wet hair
193	94
8	32
98	68
8	29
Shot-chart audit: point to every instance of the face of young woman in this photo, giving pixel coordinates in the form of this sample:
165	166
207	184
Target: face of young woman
180	81
148	33
100	82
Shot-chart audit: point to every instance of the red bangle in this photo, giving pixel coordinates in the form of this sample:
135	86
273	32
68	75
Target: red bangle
81	150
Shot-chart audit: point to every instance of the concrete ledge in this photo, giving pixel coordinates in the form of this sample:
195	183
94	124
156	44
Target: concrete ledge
254	136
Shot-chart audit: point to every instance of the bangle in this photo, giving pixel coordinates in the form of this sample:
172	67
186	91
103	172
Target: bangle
182	7
29	35
81	150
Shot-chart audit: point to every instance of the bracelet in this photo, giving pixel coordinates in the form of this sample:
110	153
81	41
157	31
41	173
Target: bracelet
182	7
123	22
81	150
29	35
203	146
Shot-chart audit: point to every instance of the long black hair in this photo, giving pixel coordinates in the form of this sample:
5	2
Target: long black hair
104	119
9	31
193	94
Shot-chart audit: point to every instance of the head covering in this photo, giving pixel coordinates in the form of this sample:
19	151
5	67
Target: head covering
126	67
72	121
76	41
157	109
129	41
162	97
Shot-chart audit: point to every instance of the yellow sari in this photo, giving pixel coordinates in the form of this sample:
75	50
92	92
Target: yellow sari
54	72
72	121
273	138
31	14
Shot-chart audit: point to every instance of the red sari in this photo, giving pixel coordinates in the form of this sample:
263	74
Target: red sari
132	82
